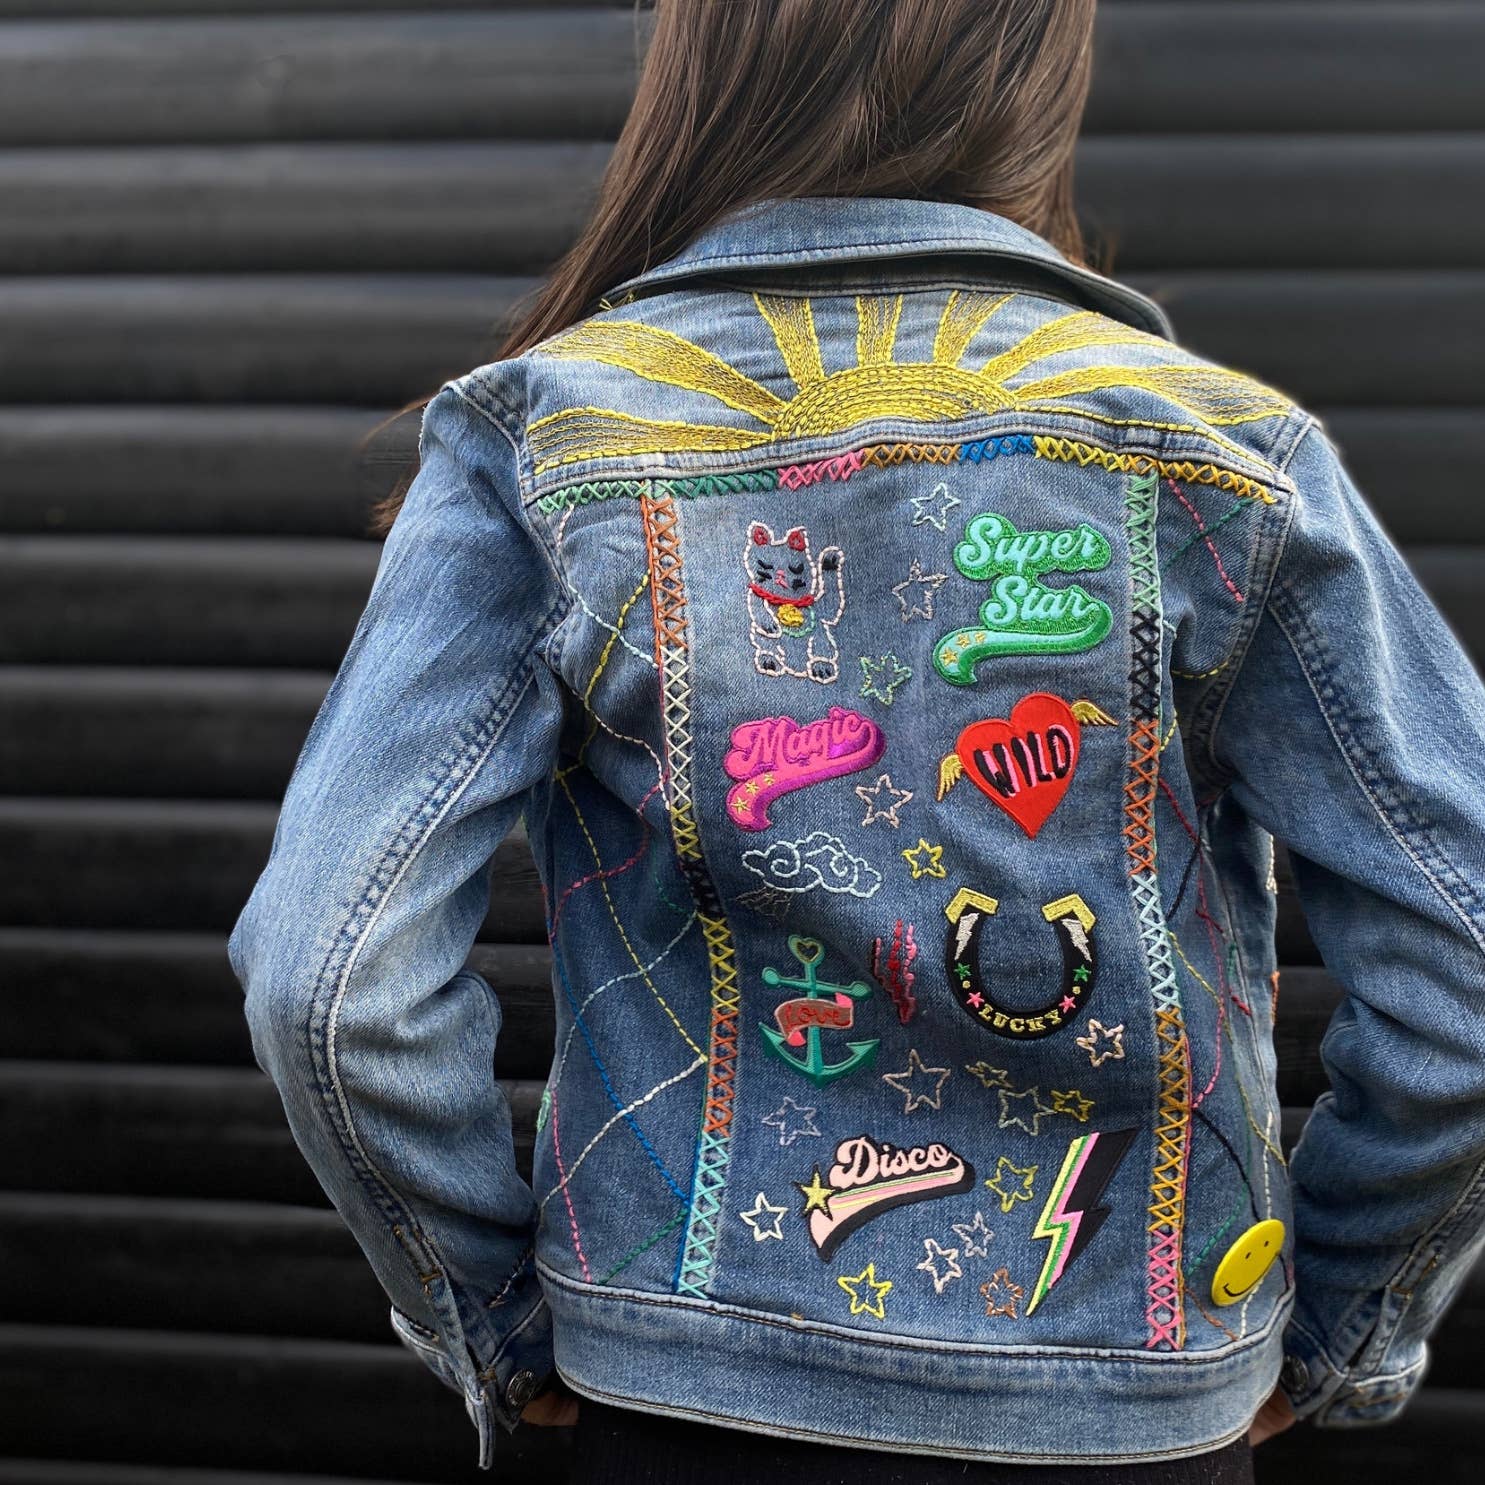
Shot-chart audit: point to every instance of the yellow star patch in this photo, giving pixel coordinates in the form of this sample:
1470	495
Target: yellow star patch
879	1287
925	860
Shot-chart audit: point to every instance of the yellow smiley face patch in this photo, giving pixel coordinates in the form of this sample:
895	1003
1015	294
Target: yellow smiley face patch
1245	1263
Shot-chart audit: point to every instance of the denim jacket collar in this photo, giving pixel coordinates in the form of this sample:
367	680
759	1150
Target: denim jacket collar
821	229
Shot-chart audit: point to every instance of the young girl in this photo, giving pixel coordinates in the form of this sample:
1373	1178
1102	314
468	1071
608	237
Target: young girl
901	655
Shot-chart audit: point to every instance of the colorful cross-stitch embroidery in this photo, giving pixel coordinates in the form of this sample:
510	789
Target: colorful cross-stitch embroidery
821	1007
879	385
764	1218
819	860
941	1264
794	603
883	676
870	1177
895	973
1071	919
921	1087
696	1257
871	795
875	1304
776	755
1022	616
1001	1294
1072	1216
1024	764
1165	1310
915	592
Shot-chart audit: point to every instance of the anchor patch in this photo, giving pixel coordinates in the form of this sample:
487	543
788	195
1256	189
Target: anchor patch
1071	919
822	1006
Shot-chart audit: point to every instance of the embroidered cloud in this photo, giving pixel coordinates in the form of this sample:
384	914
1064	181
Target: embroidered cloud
819	860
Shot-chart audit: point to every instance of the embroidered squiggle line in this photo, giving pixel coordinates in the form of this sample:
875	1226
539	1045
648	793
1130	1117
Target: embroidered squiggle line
613	913
577	1240
607	1082
1206	536
608	984
567	1175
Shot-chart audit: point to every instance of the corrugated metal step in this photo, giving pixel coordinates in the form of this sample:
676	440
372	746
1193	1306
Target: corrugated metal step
1323	336
151	864
546	71
256	1269
293	604
130	996
183	600
253	471
311	471
171	997
507	207
262	1403
152	1130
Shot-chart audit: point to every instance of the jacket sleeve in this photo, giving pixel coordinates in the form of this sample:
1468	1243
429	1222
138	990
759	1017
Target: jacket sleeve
1354	732
351	947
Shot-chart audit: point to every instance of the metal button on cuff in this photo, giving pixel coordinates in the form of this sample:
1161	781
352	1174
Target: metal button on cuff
520	1389
1294	1375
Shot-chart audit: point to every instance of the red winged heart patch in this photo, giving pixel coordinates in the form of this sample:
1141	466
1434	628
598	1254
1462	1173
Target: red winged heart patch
1023	764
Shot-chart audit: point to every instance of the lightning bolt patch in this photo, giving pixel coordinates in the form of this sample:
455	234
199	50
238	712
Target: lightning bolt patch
1072	1214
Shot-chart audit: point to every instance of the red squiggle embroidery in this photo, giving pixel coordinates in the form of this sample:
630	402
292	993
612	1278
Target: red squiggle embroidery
896	976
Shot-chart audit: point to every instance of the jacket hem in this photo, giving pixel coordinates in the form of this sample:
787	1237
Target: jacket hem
769	1373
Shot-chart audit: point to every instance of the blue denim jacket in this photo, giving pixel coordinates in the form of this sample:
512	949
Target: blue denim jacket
901	655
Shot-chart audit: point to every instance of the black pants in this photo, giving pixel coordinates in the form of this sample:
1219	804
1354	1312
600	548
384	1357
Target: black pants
623	1446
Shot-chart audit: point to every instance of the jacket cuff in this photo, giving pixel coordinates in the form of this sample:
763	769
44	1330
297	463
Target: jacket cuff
494	1391
1331	1397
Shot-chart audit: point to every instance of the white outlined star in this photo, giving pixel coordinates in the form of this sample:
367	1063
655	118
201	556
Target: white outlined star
915	592
906	1083
929	1265
791	1120
941	502
754	1218
975	1236
870	795
1102	1042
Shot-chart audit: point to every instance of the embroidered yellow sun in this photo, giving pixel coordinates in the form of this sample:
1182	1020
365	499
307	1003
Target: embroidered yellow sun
877	386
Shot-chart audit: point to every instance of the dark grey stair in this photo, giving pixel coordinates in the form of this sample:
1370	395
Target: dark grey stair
94	863
545	71
1404	338
253	471
183	600
118	996
264	1403
151	1130
315	471
508	207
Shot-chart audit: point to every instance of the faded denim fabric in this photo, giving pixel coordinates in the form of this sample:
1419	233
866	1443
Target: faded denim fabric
901	655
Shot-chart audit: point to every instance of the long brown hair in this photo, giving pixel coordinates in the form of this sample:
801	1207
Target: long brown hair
973	101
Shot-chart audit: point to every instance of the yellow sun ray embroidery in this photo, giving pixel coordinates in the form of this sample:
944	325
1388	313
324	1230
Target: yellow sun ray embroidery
939	389
876	328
